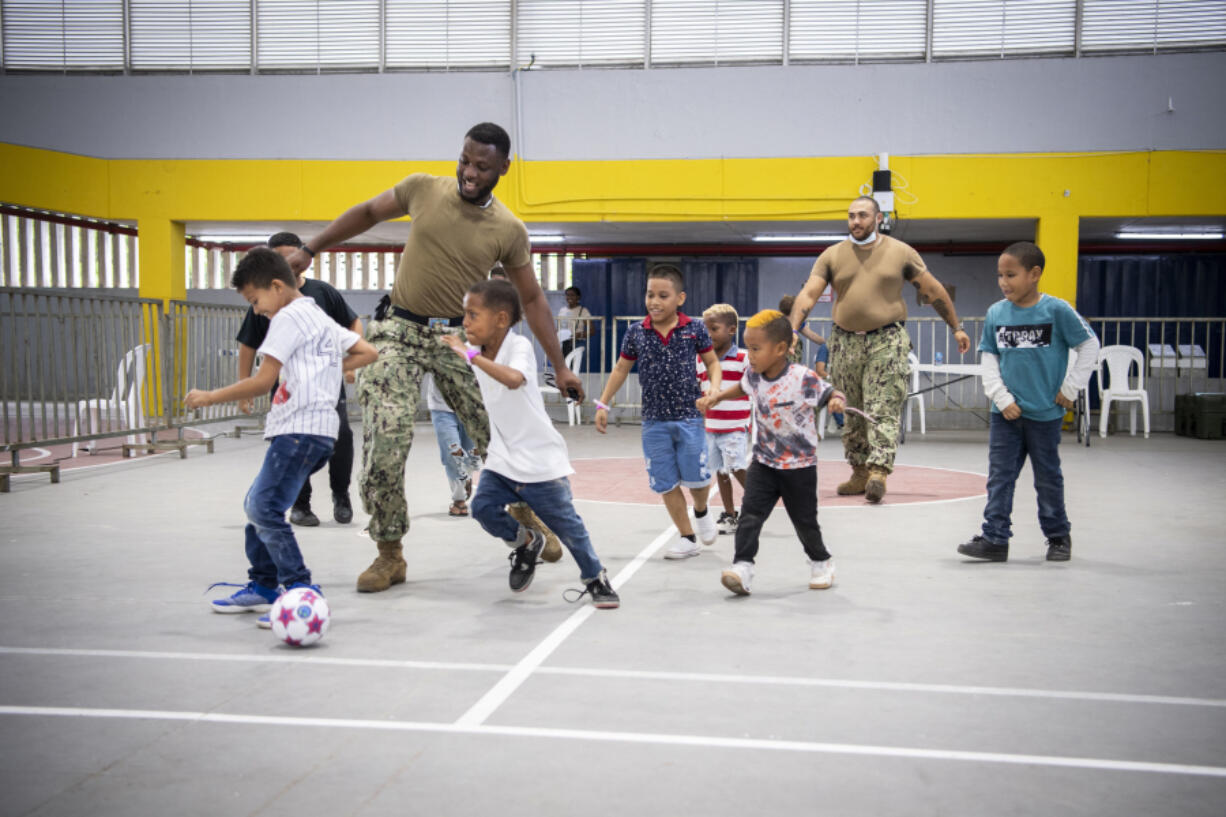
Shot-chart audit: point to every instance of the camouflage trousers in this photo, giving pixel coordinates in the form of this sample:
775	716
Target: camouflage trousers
388	391
871	370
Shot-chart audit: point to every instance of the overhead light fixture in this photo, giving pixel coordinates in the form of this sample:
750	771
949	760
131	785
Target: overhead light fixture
1206	235
547	239
799	239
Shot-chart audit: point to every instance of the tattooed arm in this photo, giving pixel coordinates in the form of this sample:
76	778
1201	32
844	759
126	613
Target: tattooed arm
934	291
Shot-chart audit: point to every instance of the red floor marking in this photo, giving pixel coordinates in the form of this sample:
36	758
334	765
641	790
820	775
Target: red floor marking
625	480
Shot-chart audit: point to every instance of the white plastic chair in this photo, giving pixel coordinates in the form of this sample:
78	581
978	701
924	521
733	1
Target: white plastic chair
574	411
1119	360
125	403
918	399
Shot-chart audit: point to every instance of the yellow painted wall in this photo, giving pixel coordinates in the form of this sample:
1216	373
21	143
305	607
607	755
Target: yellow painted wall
160	194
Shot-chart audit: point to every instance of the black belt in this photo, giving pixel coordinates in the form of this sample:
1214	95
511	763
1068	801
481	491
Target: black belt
423	320
894	325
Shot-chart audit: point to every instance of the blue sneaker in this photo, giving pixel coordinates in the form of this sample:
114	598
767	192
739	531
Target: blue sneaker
251	598
264	622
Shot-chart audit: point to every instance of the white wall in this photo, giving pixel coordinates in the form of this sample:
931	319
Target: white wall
1003	106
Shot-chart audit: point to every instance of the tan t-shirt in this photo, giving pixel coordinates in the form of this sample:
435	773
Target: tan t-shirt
868	281
452	244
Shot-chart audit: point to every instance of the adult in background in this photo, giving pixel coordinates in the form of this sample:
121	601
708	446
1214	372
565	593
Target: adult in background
459	233
869	344
573	322
251	335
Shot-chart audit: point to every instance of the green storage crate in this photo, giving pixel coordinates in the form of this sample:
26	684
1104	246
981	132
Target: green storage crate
1201	415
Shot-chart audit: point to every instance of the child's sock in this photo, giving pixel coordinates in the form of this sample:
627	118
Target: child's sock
700	514
689	536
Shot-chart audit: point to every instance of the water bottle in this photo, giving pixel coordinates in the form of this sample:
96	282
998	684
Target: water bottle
939	358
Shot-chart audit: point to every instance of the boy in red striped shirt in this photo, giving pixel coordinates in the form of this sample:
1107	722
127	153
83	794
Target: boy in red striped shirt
728	425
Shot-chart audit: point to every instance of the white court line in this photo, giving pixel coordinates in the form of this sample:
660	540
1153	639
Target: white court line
645	675
483	708
891	686
297	657
697	741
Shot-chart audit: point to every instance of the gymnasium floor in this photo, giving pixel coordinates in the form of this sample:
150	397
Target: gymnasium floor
920	685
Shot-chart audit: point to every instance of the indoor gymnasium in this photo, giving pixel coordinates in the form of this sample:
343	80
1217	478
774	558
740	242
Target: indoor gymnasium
672	407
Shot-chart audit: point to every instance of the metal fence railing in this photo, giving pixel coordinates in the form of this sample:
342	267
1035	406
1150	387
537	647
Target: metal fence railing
1183	356
206	357
76	369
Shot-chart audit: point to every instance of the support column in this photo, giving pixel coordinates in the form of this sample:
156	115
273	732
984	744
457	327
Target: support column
161	251
161	258
1058	235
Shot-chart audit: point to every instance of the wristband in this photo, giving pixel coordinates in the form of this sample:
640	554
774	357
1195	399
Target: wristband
307	250
601	405
472	353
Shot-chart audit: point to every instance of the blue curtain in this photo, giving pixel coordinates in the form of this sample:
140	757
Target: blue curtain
615	287
1191	285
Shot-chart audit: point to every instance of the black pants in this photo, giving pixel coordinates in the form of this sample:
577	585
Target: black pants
764	486
340	467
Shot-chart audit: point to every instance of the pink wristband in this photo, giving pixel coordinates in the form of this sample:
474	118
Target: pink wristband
601	405
472	353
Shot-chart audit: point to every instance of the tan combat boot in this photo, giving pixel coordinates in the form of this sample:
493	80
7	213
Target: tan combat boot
387	569
874	489
855	485
525	516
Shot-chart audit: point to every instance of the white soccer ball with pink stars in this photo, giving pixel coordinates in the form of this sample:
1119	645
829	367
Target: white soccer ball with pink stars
300	617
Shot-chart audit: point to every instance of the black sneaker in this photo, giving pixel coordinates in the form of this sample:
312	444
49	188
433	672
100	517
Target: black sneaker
980	548
524	560
342	511
604	597
1059	548
302	515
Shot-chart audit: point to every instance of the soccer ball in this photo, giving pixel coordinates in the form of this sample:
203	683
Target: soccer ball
300	617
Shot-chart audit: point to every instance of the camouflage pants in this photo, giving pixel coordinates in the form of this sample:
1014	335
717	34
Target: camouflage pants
388	391
871	370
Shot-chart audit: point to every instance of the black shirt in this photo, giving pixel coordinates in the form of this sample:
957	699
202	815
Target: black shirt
255	327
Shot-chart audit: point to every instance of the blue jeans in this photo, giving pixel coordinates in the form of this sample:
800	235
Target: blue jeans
553	504
271	546
454	450
676	453
1009	443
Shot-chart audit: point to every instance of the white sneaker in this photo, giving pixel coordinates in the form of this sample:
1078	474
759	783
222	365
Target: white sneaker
682	548
822	575
737	577
706	528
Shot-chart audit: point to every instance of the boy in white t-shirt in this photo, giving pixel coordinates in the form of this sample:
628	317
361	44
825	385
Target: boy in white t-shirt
312	352
527	460
786	398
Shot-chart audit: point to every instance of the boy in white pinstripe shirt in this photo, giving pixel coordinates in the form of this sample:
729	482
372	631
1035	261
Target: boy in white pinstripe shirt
312	352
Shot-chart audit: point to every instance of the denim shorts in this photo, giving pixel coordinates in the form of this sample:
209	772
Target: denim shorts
728	452
676	453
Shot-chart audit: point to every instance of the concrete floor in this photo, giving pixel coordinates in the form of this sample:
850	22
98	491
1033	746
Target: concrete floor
920	685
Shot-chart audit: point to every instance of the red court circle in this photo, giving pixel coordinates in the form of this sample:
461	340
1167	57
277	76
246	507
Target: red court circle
624	479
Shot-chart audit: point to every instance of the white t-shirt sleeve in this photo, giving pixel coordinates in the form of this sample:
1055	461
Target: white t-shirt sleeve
347	338
285	334
521	357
